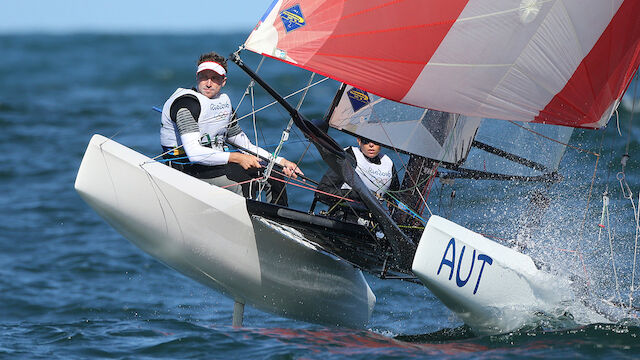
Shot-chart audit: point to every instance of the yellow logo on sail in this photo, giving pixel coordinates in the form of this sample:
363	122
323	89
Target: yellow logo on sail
357	94
292	18
358	98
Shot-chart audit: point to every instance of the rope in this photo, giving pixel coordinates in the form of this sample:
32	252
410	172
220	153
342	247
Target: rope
429	186
605	215
411	212
322	192
586	210
584	219
340	198
242	182
312	189
289	182
627	194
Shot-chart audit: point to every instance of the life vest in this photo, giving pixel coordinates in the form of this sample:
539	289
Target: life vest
215	115
377	177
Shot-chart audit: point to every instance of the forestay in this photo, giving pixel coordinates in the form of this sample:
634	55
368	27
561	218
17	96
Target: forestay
436	135
563	62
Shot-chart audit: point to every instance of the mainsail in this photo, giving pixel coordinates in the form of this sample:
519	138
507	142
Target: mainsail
529	150
562	62
443	137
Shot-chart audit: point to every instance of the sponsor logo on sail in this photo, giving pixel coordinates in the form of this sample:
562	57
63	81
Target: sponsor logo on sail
292	18
358	98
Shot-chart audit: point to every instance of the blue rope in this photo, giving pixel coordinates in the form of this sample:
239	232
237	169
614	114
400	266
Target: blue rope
404	207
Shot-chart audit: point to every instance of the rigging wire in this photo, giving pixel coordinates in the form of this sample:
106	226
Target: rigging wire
635	254
637	216
250	91
627	194
605	216
586	211
246	92
285	136
250	88
597	155
633	112
626	190
300	158
284	97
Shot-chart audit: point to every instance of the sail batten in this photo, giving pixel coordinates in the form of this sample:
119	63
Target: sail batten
555	62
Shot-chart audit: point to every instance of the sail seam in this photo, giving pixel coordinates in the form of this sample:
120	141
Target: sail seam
412	27
470	65
358	13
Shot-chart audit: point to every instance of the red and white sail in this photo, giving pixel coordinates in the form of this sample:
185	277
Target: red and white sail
563	62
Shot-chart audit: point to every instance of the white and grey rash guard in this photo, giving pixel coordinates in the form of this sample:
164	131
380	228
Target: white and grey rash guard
376	176
189	117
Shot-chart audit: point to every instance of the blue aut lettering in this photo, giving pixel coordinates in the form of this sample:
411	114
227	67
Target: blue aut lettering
450	261
459	281
445	261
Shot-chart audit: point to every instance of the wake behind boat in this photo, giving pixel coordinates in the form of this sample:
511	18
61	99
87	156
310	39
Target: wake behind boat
308	266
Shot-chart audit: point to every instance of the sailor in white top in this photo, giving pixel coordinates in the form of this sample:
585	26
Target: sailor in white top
377	172
195	125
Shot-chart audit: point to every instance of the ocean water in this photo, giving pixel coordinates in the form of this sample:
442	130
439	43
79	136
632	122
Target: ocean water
72	287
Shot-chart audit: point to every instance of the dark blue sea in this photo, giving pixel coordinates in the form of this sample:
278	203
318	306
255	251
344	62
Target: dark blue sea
71	287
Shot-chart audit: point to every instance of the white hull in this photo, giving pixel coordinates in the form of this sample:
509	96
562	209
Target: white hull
206	233
492	288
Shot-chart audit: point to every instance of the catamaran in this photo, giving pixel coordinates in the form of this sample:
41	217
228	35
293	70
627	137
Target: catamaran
466	89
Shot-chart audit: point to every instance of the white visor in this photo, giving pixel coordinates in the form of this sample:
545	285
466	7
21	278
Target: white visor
211	65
